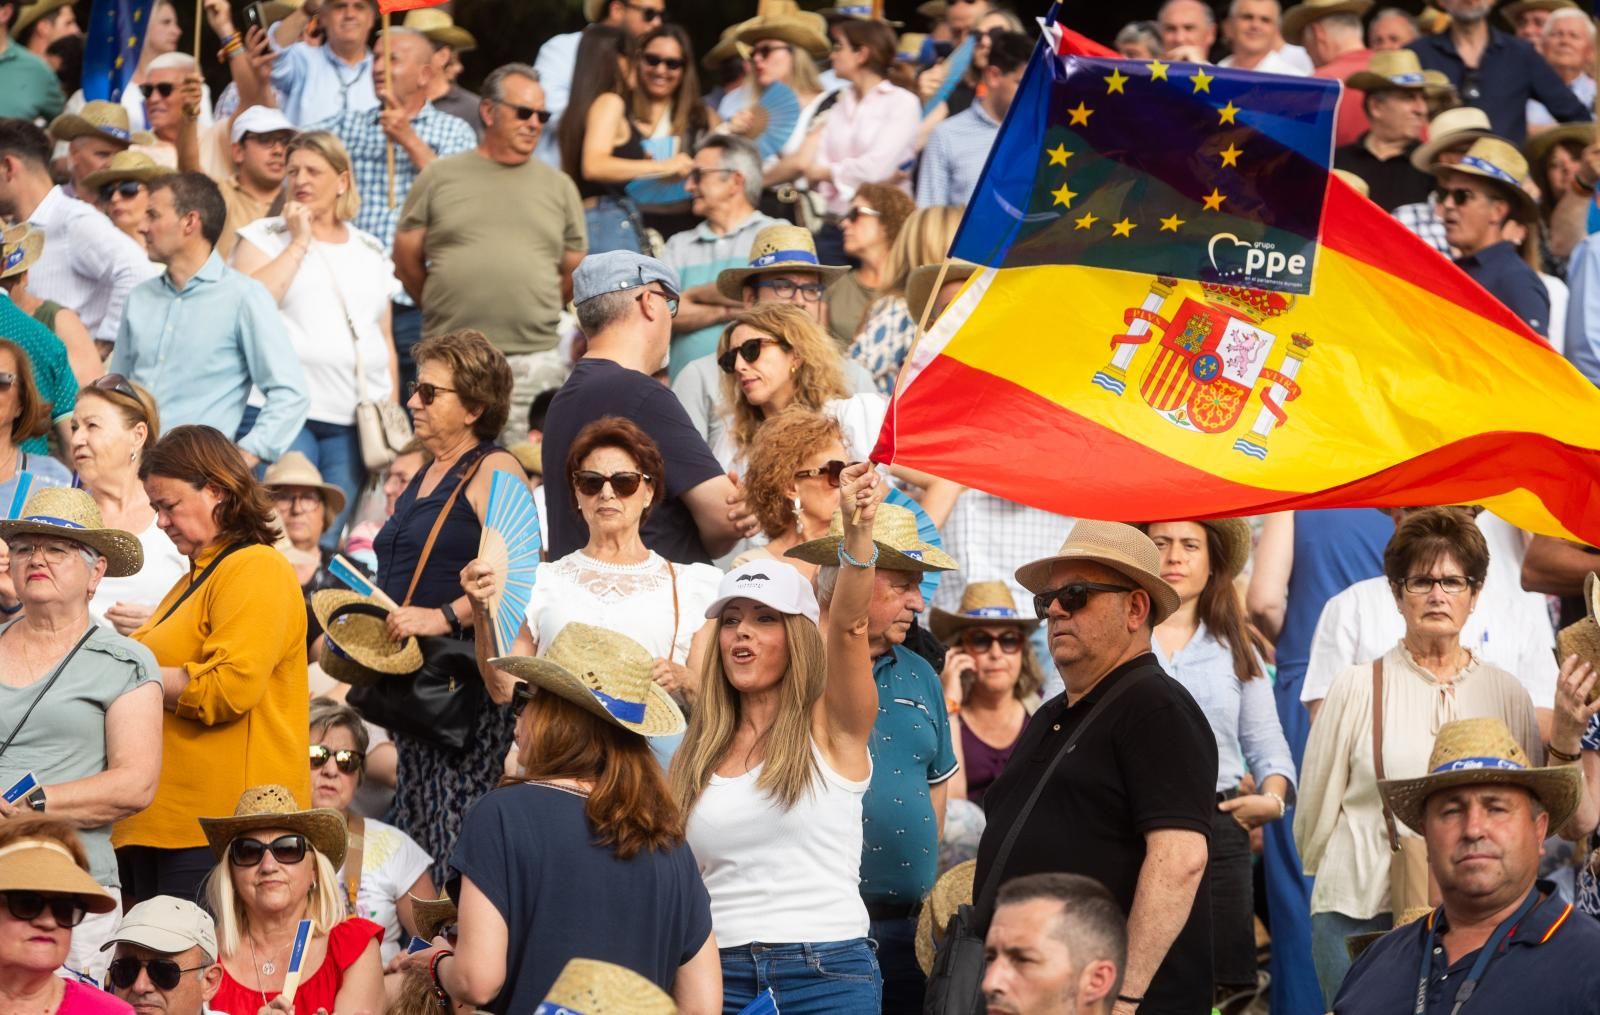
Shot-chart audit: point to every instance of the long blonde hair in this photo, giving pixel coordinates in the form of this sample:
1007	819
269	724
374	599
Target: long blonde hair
820	370
325	906
789	767
924	239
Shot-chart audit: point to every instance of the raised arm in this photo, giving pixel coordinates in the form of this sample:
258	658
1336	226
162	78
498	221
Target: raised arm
850	699
1267	598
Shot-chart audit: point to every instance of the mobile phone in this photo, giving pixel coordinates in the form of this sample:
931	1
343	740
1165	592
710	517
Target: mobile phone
255	16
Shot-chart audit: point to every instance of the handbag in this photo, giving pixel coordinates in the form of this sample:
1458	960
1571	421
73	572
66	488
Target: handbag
382	427
955	984
440	702
1408	854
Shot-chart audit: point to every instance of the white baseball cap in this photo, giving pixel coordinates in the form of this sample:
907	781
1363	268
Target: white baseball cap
770	583
261	120
168	925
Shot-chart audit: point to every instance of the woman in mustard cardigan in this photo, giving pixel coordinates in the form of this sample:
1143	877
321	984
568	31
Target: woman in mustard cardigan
230	640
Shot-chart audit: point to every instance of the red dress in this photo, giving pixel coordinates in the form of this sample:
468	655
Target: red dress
346	942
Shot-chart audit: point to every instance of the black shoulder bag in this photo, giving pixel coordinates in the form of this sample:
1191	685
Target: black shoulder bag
955	985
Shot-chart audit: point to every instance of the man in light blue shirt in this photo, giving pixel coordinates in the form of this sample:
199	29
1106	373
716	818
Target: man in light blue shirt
559	56
319	82
201	335
1583	308
959	147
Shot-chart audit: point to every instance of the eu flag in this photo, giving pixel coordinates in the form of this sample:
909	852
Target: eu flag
111	46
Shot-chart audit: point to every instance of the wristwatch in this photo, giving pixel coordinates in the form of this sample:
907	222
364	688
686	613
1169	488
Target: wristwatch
36	799
451	618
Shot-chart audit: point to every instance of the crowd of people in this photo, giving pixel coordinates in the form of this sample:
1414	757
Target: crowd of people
770	715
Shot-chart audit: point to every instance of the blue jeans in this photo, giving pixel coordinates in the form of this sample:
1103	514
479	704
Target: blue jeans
336	452
1328	951
819	978
613	224
903	982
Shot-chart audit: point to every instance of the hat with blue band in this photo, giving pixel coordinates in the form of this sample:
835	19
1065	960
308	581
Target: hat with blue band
108	120
1398	70
603	672
61	512
20	247
778	248
1498	161
983	604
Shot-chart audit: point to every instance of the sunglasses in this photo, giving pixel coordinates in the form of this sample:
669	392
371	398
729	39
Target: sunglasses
646	14
1460	196
855	214
830	469
286	849
623	484
521	694
66	909
525	112
657	60
426	392
750	349
164	973
1072	596
348	759
122	188
7	378
164	89
767	49
979	642
117	384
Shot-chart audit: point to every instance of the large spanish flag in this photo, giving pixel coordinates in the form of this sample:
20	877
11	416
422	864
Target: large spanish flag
1182	314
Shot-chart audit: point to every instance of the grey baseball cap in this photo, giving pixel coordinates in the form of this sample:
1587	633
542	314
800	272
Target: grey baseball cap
616	270
168	925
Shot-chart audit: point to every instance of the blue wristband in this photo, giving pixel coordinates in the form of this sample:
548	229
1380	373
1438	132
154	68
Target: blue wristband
845	558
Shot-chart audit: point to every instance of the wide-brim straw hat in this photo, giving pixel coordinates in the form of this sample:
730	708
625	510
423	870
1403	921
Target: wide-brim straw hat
1449	129
952	891
778	248
1540	145
1582	639
728	46
1512	11
1120	547
33	12
1498	161
602	672
1236	538
933	10
530	456
271	806
37	864
894	532
983	604
360	651
64	513
1296	18
1354	182
919	285
20	246
785	21
1476	752
430	915
99	118
295	469
440	28
592	987
1355	944
125	165
1398	69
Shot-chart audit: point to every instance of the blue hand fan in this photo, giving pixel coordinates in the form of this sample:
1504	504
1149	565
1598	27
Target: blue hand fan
661	191
352	577
19	496
764	1004
955	68
782	113
926	531
511	544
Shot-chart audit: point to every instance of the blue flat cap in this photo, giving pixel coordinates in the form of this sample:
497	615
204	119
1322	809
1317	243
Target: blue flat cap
616	270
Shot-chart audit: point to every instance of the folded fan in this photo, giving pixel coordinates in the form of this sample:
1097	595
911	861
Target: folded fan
927	531
19	496
511	545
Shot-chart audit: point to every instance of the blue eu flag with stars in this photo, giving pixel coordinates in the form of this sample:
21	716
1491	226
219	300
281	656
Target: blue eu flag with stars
111	46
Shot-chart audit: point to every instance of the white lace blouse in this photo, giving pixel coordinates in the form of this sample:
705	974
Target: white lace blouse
635	599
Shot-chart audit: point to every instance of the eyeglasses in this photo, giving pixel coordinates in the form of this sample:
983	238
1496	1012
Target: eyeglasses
1453	584
1461	196
348	759
767	49
164	973
978	642
66	909
784	289
750	349
855	214
248	852
657	60
524	112
623	484
426	392
117	384
164	89
694	176
521	694
672	301
646	14
1072	596
296	499
120	188
831	469
55	554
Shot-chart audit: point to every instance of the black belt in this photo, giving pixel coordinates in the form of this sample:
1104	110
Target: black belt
892	910
1227	795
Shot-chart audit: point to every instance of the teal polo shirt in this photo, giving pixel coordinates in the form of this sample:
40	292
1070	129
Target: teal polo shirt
911	750
29	89
699	255
52	374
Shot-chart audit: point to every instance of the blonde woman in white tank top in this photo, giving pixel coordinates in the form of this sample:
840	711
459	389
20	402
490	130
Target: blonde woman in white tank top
772	772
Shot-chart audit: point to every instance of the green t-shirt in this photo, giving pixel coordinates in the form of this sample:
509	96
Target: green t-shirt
495	238
29	89
847	307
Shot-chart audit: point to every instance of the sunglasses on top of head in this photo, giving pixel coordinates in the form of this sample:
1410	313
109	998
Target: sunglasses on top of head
749	350
1072	596
286	849
624	484
164	973
829	470
524	112
24	905
657	60
163	89
348	760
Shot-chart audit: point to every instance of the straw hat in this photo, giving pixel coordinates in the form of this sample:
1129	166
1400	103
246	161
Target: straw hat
1355	944
1539	145
983	604
1583	638
360	651
1354	182
271	806
441	29
602	672
952	891
919	286
1512	11
1449	129
909	46
33	12
99	119
1236	538
594	10
37	864
785	21
1121	547
431	915
872	10
1431	20
529	455
728	45
933	10
20	246
295	469
1497	160
1475	752
777	248
126	165
65	513
1398	70
894	531
593	987
1296	18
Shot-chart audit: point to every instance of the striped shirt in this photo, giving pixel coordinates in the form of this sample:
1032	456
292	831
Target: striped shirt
88	265
954	157
699	255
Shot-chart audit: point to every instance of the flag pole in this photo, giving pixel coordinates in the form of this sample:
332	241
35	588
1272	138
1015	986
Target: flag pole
388	63
199	19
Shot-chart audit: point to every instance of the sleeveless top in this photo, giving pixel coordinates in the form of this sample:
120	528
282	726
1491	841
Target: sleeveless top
46	314
631	148
346	942
985	762
399	543
781	876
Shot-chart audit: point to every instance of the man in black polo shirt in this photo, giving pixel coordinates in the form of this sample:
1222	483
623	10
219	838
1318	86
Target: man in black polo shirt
1396	104
1502	937
1131	807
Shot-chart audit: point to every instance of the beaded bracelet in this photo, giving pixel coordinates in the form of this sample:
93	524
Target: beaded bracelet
439	993
845	558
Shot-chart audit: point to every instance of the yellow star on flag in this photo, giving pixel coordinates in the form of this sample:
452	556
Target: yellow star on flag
1230	155
1214	200
1202	81
1063	195
1085	221
1123	228
1158	70
1115	82
1080	115
1227	113
1171	223
1059	155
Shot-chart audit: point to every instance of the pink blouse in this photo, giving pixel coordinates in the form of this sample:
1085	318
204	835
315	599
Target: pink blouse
868	140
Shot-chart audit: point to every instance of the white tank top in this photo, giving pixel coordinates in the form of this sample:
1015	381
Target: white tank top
781	876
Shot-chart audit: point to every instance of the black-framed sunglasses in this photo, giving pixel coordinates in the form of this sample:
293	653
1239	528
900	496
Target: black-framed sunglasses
859	212
117	384
348	760
765	50
521	694
1461	196
164	973
830	470
1072	596
646	14
785	289
671	301
623	484
657	60
286	849
164	89
749	349
24	905
428	392
524	112
122	188
979	642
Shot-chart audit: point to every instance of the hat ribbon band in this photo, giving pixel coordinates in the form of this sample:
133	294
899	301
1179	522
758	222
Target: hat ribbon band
65	523
1469	764
546	1008
1408	78
993	613
855	10
627	711
800	256
25	845
116	132
1489	168
12	259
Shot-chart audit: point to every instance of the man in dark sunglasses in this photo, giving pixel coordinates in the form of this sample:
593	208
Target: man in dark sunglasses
166	957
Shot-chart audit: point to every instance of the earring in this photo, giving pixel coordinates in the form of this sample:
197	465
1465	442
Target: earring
799	518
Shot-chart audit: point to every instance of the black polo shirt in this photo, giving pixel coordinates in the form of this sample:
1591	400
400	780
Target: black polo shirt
1547	965
1148	762
1509	73
1501	270
1391	182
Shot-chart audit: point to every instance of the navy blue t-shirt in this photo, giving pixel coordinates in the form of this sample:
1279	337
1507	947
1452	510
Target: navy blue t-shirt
530	849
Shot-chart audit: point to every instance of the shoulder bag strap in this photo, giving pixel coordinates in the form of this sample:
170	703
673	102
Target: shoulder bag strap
672	646
46	688
991	882
438	523
352	861
1377	750
350	325
201	580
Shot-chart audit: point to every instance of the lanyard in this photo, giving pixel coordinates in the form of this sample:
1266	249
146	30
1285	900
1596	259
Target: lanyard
1479	965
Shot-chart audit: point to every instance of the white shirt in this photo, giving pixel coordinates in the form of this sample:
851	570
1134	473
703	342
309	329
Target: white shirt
163	567
390	864
860	417
635	599
1292	60
556	60
88	264
1582	87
